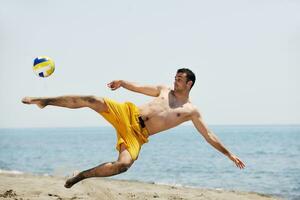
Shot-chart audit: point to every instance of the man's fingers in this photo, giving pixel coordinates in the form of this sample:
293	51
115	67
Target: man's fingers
239	163
111	85
240	166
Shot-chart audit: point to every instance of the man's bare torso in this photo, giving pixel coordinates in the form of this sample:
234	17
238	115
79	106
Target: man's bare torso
165	112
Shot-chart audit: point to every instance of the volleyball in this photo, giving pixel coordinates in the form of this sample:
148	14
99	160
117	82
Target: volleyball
43	66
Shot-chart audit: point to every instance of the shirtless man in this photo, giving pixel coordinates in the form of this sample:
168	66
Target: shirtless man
169	108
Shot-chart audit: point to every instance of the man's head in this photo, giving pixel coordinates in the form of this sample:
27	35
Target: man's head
184	79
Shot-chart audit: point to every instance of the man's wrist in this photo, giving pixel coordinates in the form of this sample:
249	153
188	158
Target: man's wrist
228	154
121	83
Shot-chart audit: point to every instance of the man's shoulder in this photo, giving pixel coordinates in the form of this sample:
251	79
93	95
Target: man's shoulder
194	110
163	89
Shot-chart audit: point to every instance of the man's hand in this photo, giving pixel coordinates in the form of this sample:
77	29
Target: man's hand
114	84
237	161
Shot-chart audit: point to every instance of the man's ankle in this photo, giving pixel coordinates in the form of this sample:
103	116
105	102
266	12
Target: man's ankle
82	175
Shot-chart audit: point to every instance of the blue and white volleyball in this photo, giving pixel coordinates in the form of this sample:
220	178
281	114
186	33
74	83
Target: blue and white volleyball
43	66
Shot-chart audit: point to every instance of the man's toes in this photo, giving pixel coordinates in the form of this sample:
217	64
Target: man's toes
73	180
67	184
26	100
70	182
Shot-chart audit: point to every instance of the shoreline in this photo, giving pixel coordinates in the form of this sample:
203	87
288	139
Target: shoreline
30	186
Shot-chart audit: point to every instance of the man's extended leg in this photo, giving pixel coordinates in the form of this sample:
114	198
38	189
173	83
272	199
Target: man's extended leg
106	169
95	103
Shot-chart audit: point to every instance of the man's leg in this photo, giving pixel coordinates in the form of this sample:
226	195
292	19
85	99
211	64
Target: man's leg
106	169
95	103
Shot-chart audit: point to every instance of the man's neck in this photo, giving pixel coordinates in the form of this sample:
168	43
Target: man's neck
181	96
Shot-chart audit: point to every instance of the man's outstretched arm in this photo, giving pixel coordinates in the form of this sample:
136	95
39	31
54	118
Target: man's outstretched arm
143	89
212	139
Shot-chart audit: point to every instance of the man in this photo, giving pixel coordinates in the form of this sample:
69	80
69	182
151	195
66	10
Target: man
135	124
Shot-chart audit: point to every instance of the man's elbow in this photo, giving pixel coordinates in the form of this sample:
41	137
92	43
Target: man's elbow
210	138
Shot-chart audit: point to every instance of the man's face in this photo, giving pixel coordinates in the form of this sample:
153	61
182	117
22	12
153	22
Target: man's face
180	82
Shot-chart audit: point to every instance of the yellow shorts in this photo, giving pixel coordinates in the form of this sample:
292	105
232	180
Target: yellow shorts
124	118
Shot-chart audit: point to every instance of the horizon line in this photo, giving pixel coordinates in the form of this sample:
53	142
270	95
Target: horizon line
186	125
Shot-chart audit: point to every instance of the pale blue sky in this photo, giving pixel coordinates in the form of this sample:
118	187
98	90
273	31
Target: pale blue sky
245	55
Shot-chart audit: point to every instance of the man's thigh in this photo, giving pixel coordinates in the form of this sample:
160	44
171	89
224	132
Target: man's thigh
98	104
124	155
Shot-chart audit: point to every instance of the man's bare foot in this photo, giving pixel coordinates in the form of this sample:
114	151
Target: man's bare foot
75	179
41	103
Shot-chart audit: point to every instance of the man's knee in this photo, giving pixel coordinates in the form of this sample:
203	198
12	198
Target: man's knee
95	103
124	166
89	99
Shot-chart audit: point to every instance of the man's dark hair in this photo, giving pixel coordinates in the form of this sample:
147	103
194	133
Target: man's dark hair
189	75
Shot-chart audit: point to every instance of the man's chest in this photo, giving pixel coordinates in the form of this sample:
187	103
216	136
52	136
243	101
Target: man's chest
171	108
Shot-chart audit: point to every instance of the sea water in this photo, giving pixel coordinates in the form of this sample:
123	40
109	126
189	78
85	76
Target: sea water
179	156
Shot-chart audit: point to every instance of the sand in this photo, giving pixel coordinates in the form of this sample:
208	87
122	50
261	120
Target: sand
25	186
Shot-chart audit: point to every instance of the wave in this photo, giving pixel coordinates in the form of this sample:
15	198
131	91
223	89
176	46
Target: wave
2	171
188	186
16	172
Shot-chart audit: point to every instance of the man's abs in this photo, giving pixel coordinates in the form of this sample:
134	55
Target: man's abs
158	117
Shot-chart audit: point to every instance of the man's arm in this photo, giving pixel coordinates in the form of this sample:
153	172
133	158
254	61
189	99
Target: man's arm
213	140
143	89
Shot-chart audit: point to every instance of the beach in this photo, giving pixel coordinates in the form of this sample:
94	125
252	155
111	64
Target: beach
31	187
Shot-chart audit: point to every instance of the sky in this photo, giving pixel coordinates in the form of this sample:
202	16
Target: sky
245	55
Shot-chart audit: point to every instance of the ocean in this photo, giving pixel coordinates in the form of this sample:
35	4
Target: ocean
179	156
